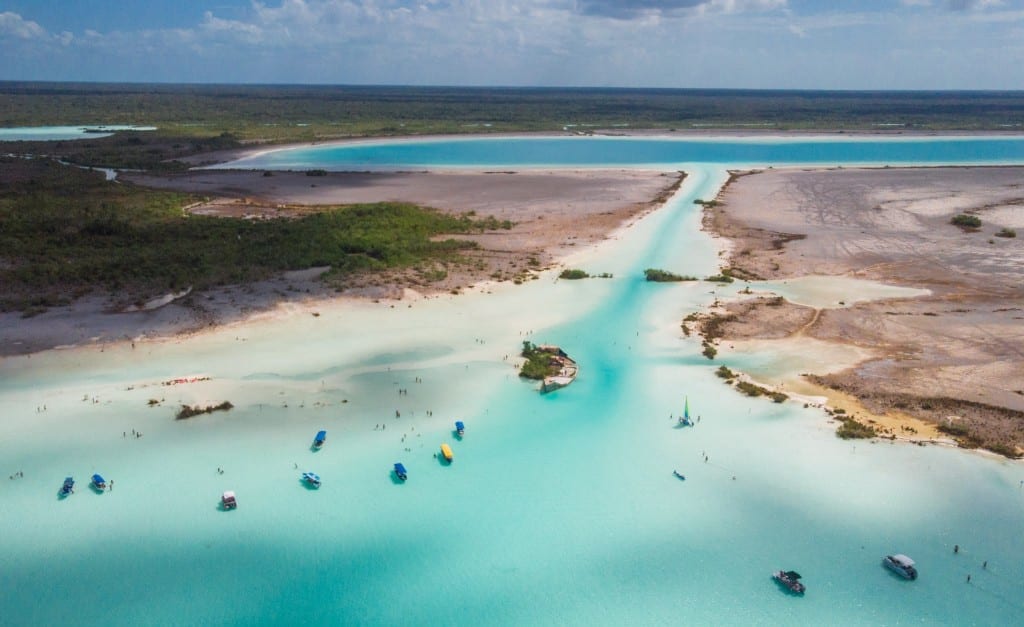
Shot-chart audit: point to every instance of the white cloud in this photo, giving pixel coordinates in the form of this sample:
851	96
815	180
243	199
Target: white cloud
13	25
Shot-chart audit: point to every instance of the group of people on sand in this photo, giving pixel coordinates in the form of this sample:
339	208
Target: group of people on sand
135	434
17	475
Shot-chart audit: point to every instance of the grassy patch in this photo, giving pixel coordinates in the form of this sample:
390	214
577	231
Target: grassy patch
1006	233
65	231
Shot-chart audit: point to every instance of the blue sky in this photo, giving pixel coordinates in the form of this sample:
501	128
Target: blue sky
840	44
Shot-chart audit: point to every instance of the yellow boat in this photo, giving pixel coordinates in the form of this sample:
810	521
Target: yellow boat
447	452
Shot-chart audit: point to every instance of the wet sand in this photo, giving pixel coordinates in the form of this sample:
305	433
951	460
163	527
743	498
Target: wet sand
954	358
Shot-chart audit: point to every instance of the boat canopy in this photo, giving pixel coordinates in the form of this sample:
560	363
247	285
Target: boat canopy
400	468
229	496
902	560
459	425
792	574
446	451
98	479
69	481
321	436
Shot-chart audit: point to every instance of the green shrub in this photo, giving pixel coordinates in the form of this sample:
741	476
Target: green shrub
1006	233
573	275
663	276
965	221
853	430
725	373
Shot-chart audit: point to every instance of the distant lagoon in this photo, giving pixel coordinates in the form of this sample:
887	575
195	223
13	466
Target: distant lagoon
640	151
59	133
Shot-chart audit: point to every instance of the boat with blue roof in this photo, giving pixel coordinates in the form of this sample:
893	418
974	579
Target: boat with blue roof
68	487
98	482
321	437
400	471
460	428
311	479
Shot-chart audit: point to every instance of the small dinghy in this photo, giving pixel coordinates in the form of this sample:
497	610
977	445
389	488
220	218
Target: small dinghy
400	471
68	487
460	428
228	500
321	437
312	479
679	475
99	483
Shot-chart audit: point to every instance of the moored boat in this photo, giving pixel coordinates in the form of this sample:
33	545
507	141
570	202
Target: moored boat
679	475
99	482
312	479
447	452
901	565
460	427
790	579
400	471
228	500
68	487
321	437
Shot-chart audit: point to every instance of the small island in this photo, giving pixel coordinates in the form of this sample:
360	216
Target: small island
663	276
188	411
548	364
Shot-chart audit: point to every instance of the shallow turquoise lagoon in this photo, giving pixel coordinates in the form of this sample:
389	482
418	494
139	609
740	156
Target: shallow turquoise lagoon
557	510
634	151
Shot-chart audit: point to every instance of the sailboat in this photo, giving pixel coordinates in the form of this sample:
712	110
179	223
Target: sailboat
684	420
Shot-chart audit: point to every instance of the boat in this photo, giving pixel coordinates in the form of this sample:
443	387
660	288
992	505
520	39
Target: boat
447	452
679	475
400	471
901	565
684	420
99	482
68	487
228	501
460	427
312	479
321	437
567	369
790	579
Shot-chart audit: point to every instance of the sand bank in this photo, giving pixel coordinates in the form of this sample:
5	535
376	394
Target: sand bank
953	358
554	213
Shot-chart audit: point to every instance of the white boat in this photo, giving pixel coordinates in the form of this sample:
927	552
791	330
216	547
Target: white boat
312	479
228	500
901	565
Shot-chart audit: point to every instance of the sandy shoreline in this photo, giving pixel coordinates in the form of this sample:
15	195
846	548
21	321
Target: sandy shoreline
556	213
954	358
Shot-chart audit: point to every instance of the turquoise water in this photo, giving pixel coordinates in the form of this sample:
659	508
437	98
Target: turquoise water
618	151
56	133
558	509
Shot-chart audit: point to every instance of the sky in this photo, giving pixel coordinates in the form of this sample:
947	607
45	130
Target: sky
758	44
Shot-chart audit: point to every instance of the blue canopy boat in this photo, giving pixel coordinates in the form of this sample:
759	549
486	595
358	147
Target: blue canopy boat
460	428
400	471
321	437
99	482
311	478
68	487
